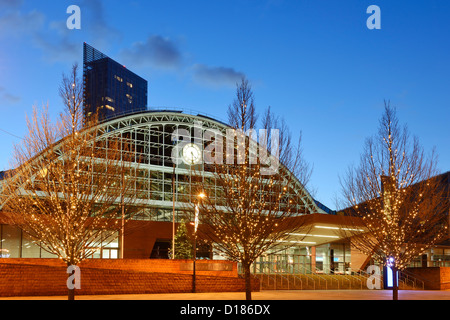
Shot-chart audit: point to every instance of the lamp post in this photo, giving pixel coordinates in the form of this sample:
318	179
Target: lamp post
173	212
122	205
196	214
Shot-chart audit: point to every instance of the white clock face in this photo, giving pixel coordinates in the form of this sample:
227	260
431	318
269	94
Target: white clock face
191	154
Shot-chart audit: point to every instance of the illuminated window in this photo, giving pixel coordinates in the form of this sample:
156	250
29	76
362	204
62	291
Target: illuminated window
130	85
130	98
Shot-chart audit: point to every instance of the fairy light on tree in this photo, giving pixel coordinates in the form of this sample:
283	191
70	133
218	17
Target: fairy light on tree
251	213
397	196
66	189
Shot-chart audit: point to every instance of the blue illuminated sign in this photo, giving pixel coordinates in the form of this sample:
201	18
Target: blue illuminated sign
389	275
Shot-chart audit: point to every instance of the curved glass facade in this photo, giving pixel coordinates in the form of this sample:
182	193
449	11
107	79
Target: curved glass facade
163	185
162	182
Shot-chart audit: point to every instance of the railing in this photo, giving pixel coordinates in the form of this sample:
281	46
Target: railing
273	274
430	263
412	280
302	270
344	277
364	274
294	270
266	271
405	279
284	274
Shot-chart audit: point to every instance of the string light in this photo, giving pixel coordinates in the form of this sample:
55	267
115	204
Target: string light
408	216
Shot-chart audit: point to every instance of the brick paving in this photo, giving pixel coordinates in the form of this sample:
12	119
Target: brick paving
267	295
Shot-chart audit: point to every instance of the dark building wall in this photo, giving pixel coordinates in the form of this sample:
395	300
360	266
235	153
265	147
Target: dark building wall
109	87
433	278
152	239
141	236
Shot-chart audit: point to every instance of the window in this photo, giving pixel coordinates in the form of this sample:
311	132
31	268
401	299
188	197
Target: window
110	248
29	248
107	247
10	241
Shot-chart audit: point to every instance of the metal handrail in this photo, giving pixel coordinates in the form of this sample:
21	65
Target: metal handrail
403	278
352	276
362	273
268	271
270	275
295	276
278	274
296	267
267	275
307	277
413	279
274	274
344	276
241	275
332	278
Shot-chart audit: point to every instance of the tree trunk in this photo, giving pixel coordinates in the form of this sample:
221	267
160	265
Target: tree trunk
71	282
71	294
248	283
394	284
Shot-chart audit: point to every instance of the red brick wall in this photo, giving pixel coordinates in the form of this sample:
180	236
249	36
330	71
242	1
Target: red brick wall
445	278
434	278
31	279
143	265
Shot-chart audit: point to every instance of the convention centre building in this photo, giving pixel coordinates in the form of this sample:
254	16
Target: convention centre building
166	187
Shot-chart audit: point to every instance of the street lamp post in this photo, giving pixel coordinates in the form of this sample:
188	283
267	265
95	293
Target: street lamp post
196	214
122	204
173	212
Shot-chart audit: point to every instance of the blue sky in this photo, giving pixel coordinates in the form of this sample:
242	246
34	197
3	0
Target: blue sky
314	62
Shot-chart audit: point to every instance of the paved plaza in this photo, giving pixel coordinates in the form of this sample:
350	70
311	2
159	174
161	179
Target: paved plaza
268	295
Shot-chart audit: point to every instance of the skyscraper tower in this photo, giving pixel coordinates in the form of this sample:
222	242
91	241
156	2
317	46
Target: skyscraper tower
109	87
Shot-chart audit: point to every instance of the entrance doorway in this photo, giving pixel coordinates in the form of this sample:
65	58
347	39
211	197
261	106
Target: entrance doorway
160	249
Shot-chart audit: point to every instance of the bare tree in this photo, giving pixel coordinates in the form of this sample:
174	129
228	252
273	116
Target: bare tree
252	213
396	196
242	112
68	185
290	154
